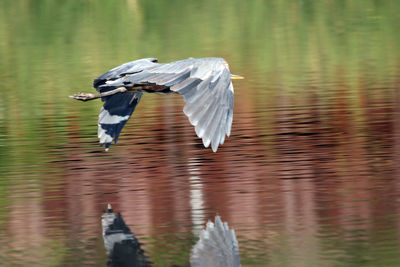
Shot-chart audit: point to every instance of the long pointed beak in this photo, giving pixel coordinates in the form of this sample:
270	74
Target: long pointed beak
236	77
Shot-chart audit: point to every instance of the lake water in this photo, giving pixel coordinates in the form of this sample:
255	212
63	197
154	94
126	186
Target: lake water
310	175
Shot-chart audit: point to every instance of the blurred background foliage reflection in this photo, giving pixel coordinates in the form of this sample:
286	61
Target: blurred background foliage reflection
336	60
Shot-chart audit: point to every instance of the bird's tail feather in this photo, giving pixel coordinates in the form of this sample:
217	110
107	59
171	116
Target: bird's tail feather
115	112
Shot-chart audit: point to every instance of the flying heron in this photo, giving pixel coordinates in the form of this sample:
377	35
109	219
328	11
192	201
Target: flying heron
205	84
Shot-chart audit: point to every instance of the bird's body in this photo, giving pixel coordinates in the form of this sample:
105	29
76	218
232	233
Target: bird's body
205	84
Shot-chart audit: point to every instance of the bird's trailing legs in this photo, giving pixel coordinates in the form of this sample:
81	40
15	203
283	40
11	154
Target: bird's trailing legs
151	88
89	96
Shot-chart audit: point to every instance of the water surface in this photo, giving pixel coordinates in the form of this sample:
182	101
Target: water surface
308	177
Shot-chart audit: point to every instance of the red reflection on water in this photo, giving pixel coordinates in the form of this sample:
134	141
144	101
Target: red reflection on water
322	169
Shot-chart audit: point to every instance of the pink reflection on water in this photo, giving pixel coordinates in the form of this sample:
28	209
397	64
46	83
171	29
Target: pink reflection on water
295	179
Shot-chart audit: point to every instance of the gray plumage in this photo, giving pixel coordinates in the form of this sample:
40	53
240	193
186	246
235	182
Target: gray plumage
205	84
217	246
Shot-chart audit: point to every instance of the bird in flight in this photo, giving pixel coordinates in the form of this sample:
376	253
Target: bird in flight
204	83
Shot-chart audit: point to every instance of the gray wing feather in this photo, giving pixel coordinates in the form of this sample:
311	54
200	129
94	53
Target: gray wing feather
193	95
207	105
201	108
224	119
206	120
185	85
211	134
148	77
208	101
124	69
201	73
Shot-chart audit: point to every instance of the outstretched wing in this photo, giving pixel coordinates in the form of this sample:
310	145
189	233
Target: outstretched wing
209	103
118	108
206	86
208	93
115	112
216	247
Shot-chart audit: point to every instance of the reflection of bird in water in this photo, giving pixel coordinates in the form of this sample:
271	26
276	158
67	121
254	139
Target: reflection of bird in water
217	246
205	84
122	247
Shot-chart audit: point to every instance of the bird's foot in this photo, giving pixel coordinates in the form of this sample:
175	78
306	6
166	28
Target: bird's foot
84	96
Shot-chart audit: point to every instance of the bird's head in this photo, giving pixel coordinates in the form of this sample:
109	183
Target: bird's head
233	76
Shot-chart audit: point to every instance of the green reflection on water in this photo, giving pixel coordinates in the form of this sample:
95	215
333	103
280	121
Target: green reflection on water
51	49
